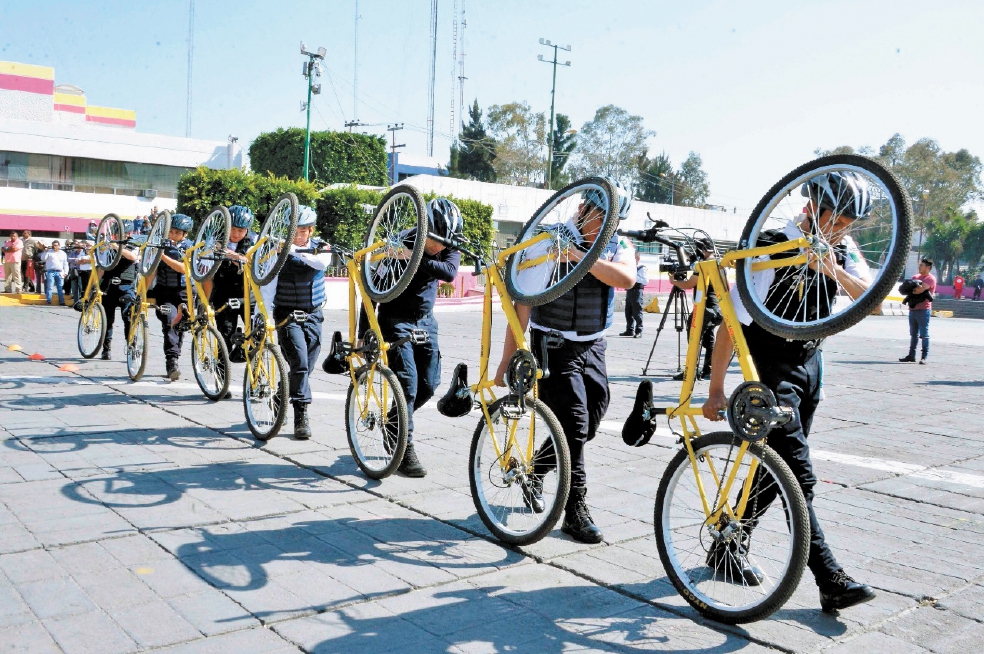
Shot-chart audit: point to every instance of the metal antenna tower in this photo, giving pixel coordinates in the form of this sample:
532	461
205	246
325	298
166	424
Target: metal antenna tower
355	68
553	92
191	57
433	74
454	64
461	75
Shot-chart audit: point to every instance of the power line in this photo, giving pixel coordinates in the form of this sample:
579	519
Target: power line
553	92
191	57
355	68
393	129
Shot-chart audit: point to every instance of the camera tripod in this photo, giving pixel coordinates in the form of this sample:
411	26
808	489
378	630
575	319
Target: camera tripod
680	304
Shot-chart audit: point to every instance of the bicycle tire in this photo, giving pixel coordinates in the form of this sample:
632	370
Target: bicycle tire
378	457
389	222
893	211
153	250
524	528
136	349
217	365
278	229
214	233
790	509
91	329
525	293
109	232
276	393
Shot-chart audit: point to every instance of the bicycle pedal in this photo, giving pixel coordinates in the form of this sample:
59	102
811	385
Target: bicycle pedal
419	336
299	316
234	304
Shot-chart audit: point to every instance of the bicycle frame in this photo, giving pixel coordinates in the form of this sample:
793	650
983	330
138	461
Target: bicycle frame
195	291
252	290
710	276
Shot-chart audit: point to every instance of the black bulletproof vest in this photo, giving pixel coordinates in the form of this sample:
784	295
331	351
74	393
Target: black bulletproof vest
587	308
792	285
166	276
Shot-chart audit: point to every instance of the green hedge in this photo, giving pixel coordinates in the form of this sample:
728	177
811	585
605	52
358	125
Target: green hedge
342	215
202	189
336	157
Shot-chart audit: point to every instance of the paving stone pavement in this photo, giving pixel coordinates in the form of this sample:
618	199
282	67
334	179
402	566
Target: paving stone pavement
142	517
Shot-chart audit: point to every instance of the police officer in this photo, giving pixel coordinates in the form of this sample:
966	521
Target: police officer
633	301
793	369
418	365
577	388
227	283
703	249
118	285
169	291
300	286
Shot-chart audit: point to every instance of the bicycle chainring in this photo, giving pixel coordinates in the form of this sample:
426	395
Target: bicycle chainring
521	373
753	411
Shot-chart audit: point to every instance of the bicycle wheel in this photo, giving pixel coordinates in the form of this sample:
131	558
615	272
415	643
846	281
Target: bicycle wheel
265	392
92	329
214	235
800	303
376	421
136	348
152	251
572	218
278	229
500	486
210	362
109	233
774	538
397	226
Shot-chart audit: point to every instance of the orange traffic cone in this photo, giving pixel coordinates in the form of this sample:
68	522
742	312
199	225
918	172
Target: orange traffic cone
15	348
69	367
37	356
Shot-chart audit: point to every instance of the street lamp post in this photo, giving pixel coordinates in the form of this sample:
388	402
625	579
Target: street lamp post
553	92
312	70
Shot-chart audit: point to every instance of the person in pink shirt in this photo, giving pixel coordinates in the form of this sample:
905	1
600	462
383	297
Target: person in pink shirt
920	308
12	250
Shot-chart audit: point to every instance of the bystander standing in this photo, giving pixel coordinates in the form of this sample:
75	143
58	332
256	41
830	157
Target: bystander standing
978	286
919	296
958	287
55	270
27	263
12	251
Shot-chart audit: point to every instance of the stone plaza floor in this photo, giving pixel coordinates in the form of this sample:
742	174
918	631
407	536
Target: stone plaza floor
141	516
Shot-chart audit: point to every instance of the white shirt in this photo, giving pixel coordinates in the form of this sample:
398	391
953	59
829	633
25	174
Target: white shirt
642	274
55	261
316	261
762	280
623	251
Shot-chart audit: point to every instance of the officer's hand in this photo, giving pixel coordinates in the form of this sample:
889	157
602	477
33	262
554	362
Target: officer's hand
714	405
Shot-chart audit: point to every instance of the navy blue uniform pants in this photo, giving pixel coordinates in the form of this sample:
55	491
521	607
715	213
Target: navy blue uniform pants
301	344
577	393
418	367
633	309
118	296
227	320
795	378
168	302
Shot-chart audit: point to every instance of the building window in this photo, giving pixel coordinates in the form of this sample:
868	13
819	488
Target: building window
87	175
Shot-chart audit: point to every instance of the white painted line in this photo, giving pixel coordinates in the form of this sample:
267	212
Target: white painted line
896	467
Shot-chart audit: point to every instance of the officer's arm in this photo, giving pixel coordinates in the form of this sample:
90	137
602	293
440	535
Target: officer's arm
176	266
620	274
716	399
444	266
509	347
129	255
690	282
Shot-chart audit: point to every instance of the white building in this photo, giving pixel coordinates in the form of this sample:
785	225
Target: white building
64	162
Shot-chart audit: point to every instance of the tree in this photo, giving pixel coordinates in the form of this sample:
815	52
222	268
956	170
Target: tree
973	249
945	243
610	144
476	151
693	188
656	179
521	143
336	157
564	142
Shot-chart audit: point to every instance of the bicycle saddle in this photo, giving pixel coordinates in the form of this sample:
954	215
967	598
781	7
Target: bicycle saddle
640	426
457	402
335	363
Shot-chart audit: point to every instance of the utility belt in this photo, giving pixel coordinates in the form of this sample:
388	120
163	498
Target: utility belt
766	344
406	316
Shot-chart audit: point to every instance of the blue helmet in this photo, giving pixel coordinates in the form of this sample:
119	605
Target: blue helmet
127	226
444	218
594	196
241	216
182	222
306	216
843	192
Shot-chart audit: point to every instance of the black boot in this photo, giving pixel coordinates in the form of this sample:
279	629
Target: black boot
577	518
172	369
533	493
840	592
705	374
107	353
411	466
302	429
730	561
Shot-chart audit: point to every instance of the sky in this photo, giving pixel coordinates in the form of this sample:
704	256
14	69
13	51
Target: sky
754	87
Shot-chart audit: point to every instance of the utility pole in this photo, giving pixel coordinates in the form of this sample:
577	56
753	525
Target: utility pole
191	57
670	181
312	70
553	93
354	123
355	68
433	73
394	129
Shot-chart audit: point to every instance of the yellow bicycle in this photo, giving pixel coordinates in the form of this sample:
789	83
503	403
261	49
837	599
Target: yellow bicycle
716	501
151	250
92	322
519	464
209	354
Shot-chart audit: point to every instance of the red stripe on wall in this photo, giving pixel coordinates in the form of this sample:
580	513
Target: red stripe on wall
28	84
111	121
70	108
10	221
